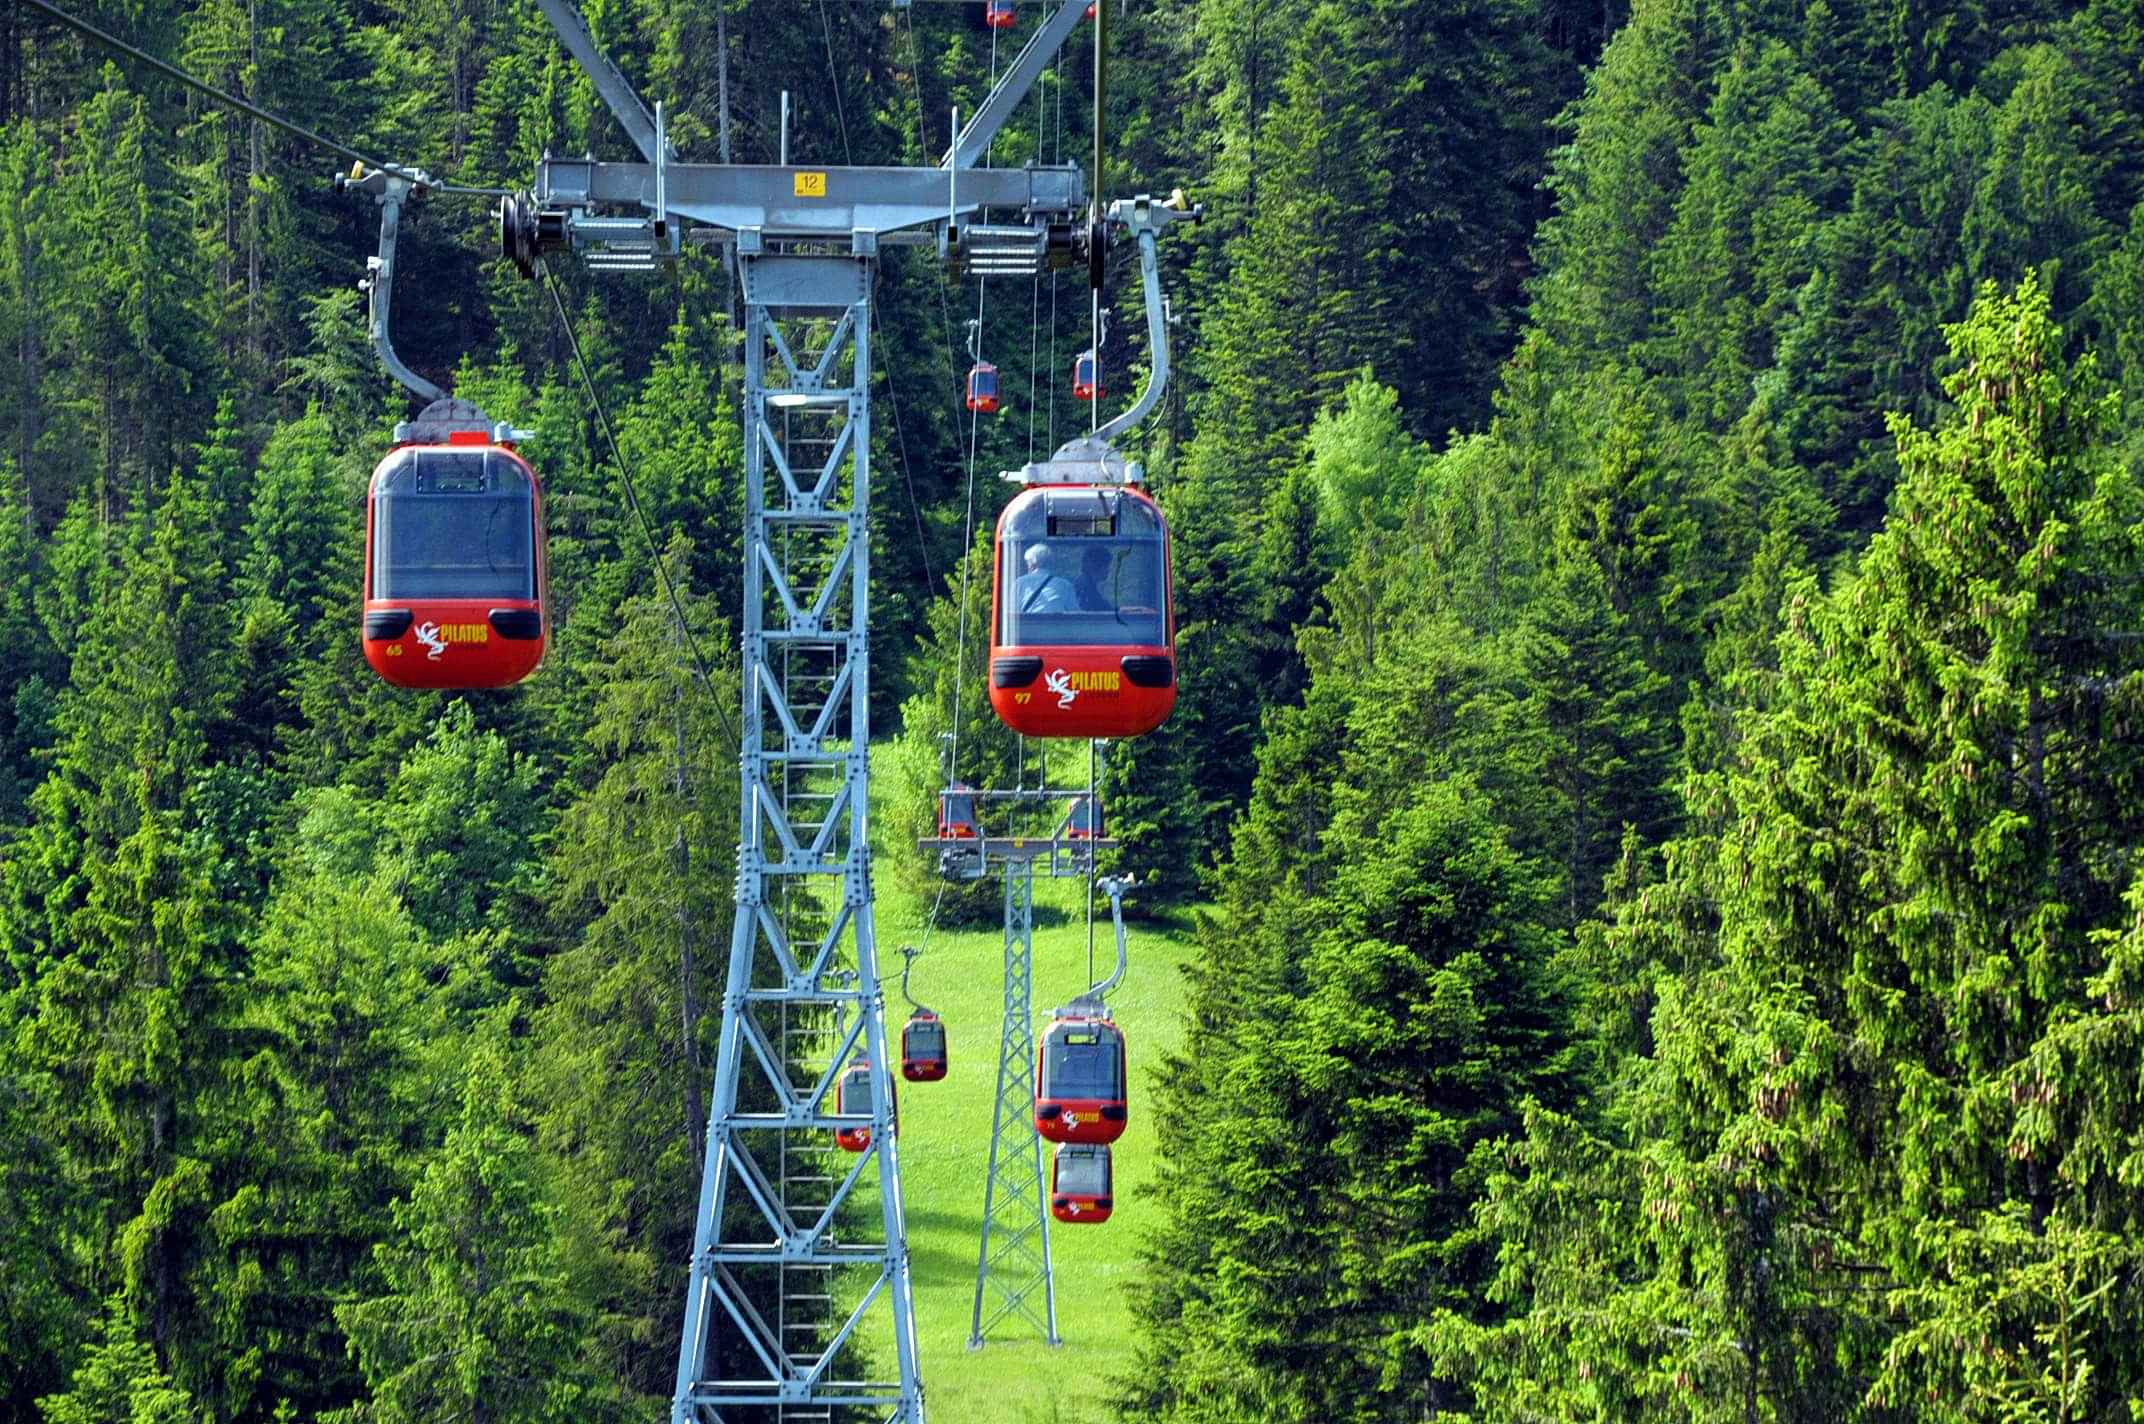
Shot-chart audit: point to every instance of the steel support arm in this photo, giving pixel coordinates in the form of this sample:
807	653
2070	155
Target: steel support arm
1114	887
617	93
1041	48
1157	331
1145	218
391	192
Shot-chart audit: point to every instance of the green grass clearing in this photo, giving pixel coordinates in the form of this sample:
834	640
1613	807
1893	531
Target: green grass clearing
945	1145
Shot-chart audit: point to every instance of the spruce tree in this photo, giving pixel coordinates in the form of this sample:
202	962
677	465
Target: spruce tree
476	1313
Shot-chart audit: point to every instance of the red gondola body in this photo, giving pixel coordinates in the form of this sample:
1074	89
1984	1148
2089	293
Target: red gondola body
1084	821
956	812
1082	636
1082	1192
923	1048
1087	378
1079	1078
983	388
455	578
998	14
852	1094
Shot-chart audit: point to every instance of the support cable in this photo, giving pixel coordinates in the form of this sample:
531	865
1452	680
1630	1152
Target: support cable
893	387
1101	53
945	318
632	497
1094	828
826	27
967	556
245	106
975	425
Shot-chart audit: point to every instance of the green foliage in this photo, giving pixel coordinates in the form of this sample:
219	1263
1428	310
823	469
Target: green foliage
1918	923
1542	1064
119	1381
477	1312
459	825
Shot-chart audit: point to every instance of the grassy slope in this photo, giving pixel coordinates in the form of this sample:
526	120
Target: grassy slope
945	1146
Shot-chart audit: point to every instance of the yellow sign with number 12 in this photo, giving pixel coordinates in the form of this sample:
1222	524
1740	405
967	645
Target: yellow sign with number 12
811	185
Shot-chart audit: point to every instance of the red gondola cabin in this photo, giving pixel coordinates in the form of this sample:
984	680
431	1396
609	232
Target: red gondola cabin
852	1098
1083	822
1082	639
983	388
1081	1186
1087	377
1079	1077
956	812
923	1056
454	566
997	14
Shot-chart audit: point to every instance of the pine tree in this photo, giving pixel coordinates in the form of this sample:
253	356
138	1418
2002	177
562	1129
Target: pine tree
1299	1256
120	1379
1761	174
315	1131
477	1314
1596	712
114	914
460	827
640	880
1895	967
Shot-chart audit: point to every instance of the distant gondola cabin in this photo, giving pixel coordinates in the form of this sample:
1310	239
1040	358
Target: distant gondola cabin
1080	1079
852	1098
923	1055
956	812
998	14
983	388
1087	377
454	592
1084	821
1082	635
1082	1189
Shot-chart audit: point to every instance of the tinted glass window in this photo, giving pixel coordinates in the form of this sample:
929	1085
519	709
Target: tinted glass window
1082	1174
1083	568
453	523
855	1093
1082	1062
926	1040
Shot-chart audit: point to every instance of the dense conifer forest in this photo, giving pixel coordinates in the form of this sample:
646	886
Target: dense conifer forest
1657	767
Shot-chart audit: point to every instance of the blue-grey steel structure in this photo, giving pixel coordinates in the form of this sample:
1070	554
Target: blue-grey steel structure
1013	1278
785	1270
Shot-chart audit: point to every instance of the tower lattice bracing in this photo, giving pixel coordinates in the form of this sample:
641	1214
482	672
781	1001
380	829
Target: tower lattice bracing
1012	1272
799	1244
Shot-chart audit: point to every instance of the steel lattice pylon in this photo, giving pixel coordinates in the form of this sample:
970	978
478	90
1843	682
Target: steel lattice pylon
771	1316
776	1296
1015	1253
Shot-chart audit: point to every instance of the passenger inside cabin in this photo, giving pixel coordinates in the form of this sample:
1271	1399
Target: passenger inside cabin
1041	589
1089	588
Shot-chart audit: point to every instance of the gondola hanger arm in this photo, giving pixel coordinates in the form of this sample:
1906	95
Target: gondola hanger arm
1115	887
390	191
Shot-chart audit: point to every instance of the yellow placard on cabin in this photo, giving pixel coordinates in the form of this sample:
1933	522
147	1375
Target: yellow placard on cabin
811	185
